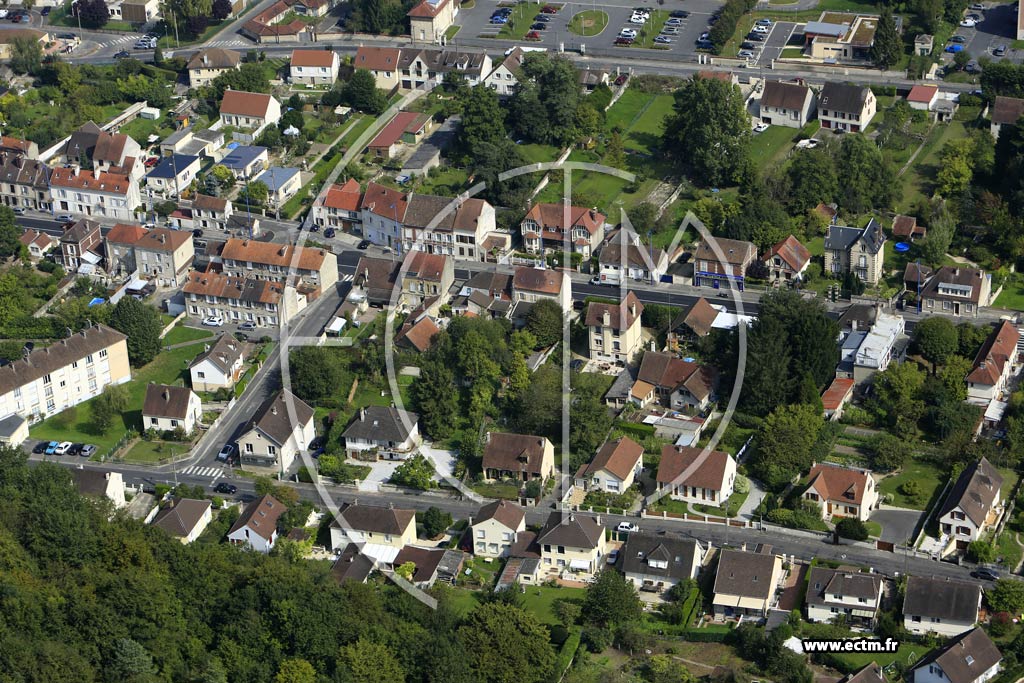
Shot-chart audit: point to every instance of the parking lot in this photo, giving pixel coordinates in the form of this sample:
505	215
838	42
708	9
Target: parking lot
476	22
995	28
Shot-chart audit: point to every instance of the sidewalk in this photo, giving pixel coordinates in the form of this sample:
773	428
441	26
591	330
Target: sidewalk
754	498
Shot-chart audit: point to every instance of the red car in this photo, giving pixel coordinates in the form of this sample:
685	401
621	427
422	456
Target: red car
623	41
532	35
152	161
549	9
621	79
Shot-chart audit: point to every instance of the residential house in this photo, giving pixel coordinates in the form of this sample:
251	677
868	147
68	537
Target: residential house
377	279
722	262
442	225
210	62
591	78
249	113
184	518
171	175
211	213
382	433
615	467
614	330
787	104
973	505
429	20
219	367
831	593
674	382
382	62
969	658
379	531
654	564
314	67
48	380
531	285
256	527
517	456
746	582
944	606
120	248
839	37
81	245
352	565
846	107
165	256
417	334
405	127
337	206
572	542
282	184
505	78
860	251
786	261
24	182
836	397
878	347
906	228
109	152
556	227
100	484
697	321
419	67
957	291
167	408
495	526
430	565
241	298
281	427
99	193
316	267
18	147
201	142
923	97
996	363
842	491
383	209
38	243
624	257
694	475
246	161
1006	111
924	43
427	276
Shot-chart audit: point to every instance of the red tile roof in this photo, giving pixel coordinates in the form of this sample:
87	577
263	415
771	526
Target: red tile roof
837	393
702	470
242	103
269	253
126	233
427	10
418	335
923	93
620	457
313	58
905	226
791	251
999	349
384	201
345	197
96	181
553	217
392	132
839	484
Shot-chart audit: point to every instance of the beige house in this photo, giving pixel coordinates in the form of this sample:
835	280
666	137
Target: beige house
554	227
533	284
281	427
211	212
316	267
165	256
380	531
382	62
184	518
168	408
860	251
37	242
842	492
505	77
956	291
787	104
314	67
615	467
430	19
250	299
495	528
842	106
694	476
517	456
207	64
572	542
614	331
746	583
427	276
48	380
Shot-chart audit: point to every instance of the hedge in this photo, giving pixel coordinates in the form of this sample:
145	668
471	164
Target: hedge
568	651
728	20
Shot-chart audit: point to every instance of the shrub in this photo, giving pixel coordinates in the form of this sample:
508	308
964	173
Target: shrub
559	634
853	529
596	639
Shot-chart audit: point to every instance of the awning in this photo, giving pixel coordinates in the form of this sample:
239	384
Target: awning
995	411
90	257
579	565
337	325
385	554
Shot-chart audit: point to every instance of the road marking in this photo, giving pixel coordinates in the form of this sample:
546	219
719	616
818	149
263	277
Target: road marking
347	278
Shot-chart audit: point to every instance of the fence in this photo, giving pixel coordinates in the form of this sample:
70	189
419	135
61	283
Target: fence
707	519
170	326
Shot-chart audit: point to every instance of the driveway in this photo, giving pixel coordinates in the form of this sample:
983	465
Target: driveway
897	523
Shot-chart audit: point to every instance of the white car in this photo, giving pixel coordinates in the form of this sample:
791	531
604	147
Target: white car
612	557
627	527
213	321
746	54
761	29
637	20
810	143
662	40
760	127
968	23
3	14
62	448
627	33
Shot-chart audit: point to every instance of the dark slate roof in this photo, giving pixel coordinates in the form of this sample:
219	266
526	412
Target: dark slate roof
822	580
272	417
842	97
842	237
352	565
640	549
965	658
502	511
171	165
223	354
575	531
784	95
946	599
10	424
90	482
745	574
377	519
974	491
381	423
260	516
181	516
872	673
163	400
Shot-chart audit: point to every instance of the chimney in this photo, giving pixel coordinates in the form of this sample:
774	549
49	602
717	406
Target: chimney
77	170
632	308
283	250
167	394
599	520
273	410
606	318
96	173
362	414
206	59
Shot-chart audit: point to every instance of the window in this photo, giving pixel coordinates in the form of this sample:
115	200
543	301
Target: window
103	353
47	379
201	375
248	448
272	450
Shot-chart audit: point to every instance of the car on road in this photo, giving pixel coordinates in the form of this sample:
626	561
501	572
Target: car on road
621	79
539	26
64	218
532	35
679	14
123	54
247	327
761	29
662	40
88	450
977	6
225	453
969	23
62	448
623	40
954	48
999	51
985	574
364	244
51	447
39	448
760	127
25	19
745	54
958	39
213	321
225	487
627	527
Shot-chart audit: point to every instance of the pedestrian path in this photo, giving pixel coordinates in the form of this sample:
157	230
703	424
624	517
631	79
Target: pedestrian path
122	40
235	42
197	471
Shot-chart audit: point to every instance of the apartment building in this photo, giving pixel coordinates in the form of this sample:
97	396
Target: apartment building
94	193
24	182
48	380
120	247
614	331
165	256
241	299
269	261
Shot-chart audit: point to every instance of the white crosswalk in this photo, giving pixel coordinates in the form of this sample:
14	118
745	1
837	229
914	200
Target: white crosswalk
129	38
197	471
237	42
347	278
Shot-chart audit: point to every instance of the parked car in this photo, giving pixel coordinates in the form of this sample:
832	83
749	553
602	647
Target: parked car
958	39
76	448
622	40
539	26
577	364
62	448
674	22
704	36
747	45
51	447
757	37
704	45
627	527
977	6
999	51
123	54
543	17
760	127
761	29
18	210
954	48
670	31
88	450
45	11
151	162
225	453
612	557
64	218
763	22
364	244
329	233
213	321
549	9
39	448
662	40
679	14
621	79
532	35
969	23
627	33
985	574
973	67
224	487
745	54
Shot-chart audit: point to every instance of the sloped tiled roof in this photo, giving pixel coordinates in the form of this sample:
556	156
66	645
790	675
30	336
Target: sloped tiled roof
999	349
273	419
964	658
572	530
553	217
708	472
839	484
181	516
270	253
166	401
323	58
621	316
241	103
1007	110
223	354
260	516
941	598
215	58
791	251
345	197
620	457
505	512
784	95
514	452
974	492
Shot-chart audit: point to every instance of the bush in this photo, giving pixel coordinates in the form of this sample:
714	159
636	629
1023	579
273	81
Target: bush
596	639
559	634
853	529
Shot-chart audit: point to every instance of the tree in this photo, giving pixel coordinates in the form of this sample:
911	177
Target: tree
361	93
981	551
93	13
936	339
615	151
785	442
952	377
961	60
435	397
611	599
708	130
589	422
869	179
545	322
813	179
130	662
852	528
295	671
292	118
888	453
9	234
956	169
158	55
888	46
221	9
665	669
141	323
365	661
316	372
1006	596
255	193
504	644
898	395
435	522
417	473
26	55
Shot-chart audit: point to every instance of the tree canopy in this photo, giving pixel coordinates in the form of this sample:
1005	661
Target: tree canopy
141	323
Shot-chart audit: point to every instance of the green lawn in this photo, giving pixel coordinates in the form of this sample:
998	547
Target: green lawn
1012	296
537	153
927	476
769	147
541	599
626	109
497	489
140	129
874	528
907	653
452	31
181	333
75	424
917	181
519	23
445	181
589	22
730	509
667	504
152	452
1008	549
817	246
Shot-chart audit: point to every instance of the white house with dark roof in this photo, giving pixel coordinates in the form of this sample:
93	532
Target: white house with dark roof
167	408
109	485
968	658
843	106
973	505
831	593
787	104
1006	111
572	542
656	563
623	257
495	527
521	457
860	251
747	583
256	527
692	475
219	366
382	433
940	605
281	427
184	518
